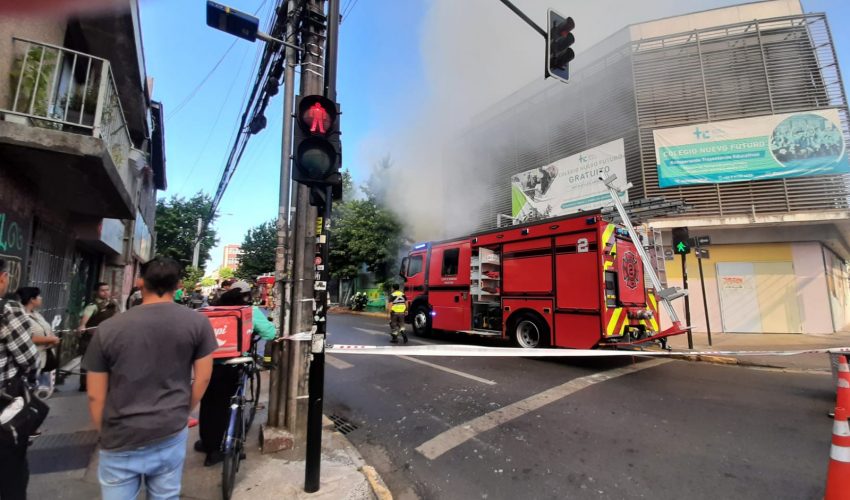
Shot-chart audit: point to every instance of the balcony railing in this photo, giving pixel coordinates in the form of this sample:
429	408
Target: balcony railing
62	89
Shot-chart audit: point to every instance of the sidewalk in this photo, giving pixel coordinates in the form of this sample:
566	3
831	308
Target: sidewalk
63	462
766	342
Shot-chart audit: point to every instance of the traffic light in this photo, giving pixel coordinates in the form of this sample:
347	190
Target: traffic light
232	21
681	241
317	145
558	41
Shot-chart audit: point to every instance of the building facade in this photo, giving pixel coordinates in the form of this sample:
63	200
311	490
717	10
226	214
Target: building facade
232	253
81	156
779	243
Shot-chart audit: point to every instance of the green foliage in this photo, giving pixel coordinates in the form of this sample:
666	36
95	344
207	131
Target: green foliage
364	233
258	251
226	273
177	225
208	281
192	276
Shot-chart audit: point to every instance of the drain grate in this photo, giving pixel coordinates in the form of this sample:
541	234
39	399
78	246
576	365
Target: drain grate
342	425
62	452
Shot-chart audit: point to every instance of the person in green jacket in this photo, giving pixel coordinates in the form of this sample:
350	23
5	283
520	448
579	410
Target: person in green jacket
215	405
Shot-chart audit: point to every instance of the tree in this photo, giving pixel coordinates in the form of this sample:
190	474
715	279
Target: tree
225	273
364	233
177	226
208	281
192	276
376	185
258	251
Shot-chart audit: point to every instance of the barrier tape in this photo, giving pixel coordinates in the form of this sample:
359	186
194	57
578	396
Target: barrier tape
519	352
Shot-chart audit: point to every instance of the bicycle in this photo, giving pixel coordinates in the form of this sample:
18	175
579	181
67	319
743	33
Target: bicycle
243	409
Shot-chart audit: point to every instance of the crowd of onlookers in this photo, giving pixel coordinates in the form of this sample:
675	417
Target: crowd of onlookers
144	370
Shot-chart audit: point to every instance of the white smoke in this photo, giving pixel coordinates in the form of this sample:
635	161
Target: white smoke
475	54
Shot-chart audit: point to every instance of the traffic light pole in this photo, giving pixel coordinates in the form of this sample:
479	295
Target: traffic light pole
525	18
687	301
702	288
312	472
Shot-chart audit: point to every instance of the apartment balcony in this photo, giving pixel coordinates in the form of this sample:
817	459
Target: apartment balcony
64	130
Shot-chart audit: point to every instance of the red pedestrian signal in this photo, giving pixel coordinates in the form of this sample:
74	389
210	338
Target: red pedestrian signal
317	144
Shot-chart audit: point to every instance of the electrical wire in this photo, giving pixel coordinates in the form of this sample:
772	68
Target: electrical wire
204	80
346	13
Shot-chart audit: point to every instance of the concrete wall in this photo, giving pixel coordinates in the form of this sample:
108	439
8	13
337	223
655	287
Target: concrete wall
808	299
45	30
716	17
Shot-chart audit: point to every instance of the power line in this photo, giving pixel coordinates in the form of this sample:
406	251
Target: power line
271	66
352	4
198	87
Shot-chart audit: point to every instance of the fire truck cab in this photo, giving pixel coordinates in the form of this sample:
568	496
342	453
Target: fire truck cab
575	282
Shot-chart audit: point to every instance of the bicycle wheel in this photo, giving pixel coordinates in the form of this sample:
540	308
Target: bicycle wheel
232	456
253	391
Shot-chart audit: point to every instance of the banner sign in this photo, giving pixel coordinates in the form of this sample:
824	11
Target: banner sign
751	149
568	185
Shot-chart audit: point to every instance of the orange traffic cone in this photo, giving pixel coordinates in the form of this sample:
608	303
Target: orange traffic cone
842	398
838	475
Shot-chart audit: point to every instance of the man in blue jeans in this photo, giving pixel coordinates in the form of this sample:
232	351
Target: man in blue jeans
140	387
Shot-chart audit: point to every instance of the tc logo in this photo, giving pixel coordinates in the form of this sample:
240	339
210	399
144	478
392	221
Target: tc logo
702	134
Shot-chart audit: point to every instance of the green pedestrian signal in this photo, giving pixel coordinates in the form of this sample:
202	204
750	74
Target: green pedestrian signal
681	242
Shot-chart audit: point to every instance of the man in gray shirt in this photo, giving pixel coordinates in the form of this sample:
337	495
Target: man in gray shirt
140	387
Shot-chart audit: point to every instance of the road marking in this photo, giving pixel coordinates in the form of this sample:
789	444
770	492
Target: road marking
449	370
337	363
458	435
432	365
387	334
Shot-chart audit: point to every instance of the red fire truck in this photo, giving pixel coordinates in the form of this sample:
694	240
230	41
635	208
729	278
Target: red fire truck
575	281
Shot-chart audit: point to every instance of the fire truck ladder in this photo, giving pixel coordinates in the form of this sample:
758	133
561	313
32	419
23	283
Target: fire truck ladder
665	294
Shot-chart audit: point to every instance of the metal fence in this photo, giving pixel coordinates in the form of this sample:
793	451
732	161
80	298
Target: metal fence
741	70
62	89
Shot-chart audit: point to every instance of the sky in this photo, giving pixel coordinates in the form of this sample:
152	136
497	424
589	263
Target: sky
410	72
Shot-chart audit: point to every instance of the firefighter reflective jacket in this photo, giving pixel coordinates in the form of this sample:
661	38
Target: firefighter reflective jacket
399	302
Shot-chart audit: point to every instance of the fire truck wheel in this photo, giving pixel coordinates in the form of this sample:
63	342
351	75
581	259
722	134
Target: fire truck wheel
421	321
530	332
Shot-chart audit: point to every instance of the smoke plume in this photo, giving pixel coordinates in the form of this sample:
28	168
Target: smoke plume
475	54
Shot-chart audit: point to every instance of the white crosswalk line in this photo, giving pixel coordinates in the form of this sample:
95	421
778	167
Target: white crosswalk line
337	363
459	434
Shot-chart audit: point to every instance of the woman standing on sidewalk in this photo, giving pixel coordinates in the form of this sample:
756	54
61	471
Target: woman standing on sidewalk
42	333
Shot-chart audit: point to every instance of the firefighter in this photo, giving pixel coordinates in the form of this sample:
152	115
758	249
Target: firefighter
397	312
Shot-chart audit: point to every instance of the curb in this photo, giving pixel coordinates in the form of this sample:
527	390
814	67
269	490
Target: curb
378	487
382	315
732	361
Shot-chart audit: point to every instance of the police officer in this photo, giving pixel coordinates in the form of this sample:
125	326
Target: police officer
397	313
102	308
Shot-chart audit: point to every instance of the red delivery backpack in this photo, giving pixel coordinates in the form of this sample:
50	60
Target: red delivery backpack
233	326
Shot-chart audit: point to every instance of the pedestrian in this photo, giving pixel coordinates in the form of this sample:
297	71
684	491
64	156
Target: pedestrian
135	297
196	300
178	295
99	310
215	405
141	388
18	355
41	334
397	312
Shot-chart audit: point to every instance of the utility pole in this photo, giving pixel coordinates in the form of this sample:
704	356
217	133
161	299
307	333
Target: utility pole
283	256
197	253
312	82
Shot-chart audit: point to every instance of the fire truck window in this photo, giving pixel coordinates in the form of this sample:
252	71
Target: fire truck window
414	266
450	258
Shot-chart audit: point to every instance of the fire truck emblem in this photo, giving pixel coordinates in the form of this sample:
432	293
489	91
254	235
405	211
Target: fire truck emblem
630	270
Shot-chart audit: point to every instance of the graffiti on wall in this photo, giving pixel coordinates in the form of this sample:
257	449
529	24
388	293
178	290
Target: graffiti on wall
14	233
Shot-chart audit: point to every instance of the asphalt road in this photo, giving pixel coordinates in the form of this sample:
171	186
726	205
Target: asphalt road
564	428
